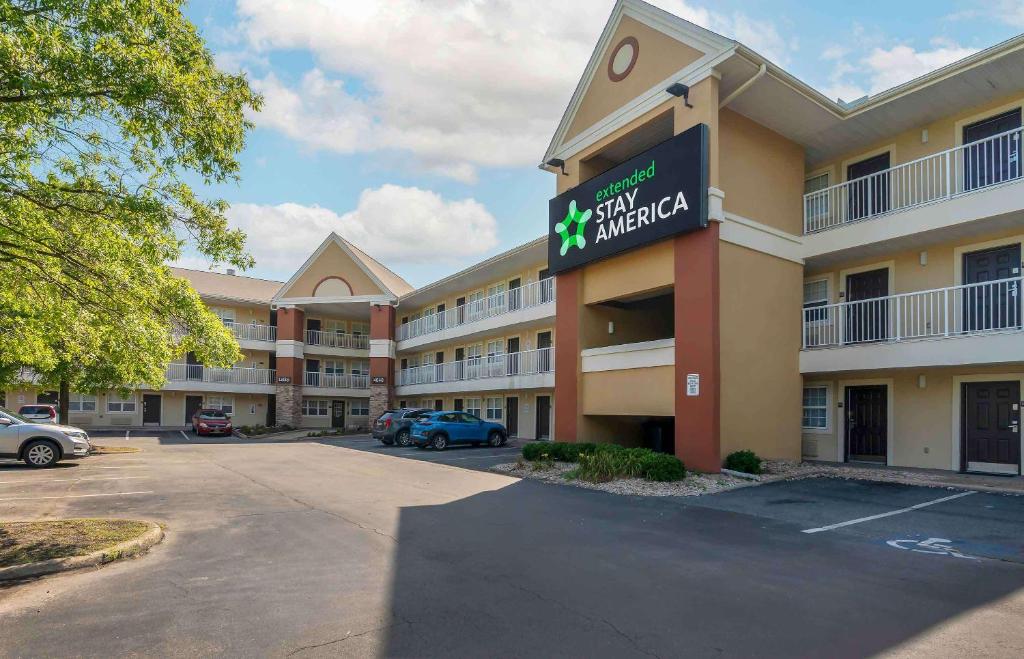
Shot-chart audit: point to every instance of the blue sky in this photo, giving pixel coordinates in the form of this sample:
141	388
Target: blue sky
413	127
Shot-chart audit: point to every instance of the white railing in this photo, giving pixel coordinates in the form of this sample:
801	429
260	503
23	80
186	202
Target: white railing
336	380
530	295
943	175
955	311
337	340
527	362
200	373
252	331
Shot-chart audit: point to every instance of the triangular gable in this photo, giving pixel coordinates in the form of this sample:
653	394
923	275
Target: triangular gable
671	49
339	269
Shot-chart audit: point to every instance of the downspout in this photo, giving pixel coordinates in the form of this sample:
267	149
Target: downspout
744	87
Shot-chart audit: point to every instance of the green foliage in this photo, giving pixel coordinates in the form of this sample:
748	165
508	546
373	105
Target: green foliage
663	467
745	461
105	107
600	463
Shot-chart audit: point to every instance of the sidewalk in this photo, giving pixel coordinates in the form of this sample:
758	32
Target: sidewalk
916	476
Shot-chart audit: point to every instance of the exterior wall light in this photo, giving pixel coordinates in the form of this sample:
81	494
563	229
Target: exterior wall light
557	162
678	89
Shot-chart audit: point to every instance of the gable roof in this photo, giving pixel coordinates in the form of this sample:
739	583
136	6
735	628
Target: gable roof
229	287
387	281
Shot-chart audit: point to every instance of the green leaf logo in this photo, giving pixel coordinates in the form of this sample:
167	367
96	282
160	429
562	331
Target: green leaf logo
564	228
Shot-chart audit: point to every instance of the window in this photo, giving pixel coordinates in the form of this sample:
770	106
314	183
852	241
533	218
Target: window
118	405
360	368
815	300
360	408
360	329
332	367
227	316
816	205
495	296
225	404
82	403
815	408
315	407
473	406
494	409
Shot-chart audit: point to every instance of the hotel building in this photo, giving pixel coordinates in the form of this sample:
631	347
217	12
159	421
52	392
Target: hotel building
734	261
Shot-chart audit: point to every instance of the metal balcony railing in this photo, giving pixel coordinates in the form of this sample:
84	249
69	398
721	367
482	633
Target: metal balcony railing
337	340
940	176
530	295
527	362
200	373
336	380
992	306
252	331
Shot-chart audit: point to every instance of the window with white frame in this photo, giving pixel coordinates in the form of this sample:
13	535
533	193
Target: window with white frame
227	316
336	327
495	297
333	367
360	408
474	351
225	404
82	403
815	408
473	406
816	300
817	204
494	409
118	405
360	329
313	407
360	367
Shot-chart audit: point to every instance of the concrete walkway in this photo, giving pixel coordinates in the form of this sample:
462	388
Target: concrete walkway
929	477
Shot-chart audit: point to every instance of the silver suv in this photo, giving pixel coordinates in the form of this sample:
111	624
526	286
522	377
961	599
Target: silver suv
39	444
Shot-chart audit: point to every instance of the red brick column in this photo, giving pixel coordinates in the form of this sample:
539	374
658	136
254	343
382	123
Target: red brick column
382	358
567	355
290	341
697	349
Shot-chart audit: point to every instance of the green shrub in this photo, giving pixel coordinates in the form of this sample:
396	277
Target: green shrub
599	467
534	450
664	468
560	451
745	461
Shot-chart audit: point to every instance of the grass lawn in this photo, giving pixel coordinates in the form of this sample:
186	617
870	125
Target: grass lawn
29	542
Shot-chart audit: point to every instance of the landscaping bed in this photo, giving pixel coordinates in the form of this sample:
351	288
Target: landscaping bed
96	449
31	542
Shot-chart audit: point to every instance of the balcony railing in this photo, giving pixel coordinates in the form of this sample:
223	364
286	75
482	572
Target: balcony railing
943	175
992	306
527	362
252	331
200	373
531	295
336	380
337	340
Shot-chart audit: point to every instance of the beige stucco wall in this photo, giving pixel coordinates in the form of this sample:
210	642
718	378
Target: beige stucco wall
762	173
637	271
244	313
659	57
759	317
332	262
634	391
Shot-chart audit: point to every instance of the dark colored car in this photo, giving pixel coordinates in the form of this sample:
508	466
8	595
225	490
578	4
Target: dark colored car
441	429
395	426
211	422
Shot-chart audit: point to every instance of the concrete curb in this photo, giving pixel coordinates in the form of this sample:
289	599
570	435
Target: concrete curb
126	549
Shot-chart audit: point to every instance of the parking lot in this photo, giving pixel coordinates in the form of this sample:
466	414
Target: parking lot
343	546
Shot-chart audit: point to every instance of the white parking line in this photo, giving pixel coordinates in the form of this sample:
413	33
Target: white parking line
77	496
72	480
184	435
127	435
888	514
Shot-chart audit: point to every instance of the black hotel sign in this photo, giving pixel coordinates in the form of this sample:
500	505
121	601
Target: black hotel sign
660	193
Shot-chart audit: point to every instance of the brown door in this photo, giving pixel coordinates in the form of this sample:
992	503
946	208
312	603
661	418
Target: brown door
438	405
192	405
991	427
151	409
337	414
512	415
868	191
460	365
313	325
989	159
458	404
995	304
867	423
544	361
460	311
543	417
867	315
512	356
515	295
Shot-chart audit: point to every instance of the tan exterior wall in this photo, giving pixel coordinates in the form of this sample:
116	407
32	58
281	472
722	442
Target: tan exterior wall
659	57
635	391
637	271
760	343
244	313
762	173
333	263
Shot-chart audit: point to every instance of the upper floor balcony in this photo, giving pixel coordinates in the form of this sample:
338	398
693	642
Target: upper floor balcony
917	329
336	343
316	379
254	336
515	370
197	377
523	304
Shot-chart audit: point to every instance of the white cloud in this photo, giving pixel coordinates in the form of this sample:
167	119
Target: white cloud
459	84
393	224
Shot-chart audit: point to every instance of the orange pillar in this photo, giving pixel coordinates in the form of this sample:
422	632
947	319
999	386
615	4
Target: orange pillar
290	357
382	358
567	355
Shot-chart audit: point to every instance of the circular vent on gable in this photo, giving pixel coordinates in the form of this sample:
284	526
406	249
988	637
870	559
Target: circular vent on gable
623	58
332	287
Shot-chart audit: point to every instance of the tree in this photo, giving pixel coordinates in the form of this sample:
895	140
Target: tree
107	107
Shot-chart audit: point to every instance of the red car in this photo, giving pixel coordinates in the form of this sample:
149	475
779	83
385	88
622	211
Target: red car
211	422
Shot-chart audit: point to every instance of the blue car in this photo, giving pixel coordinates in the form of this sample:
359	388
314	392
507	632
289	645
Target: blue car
441	429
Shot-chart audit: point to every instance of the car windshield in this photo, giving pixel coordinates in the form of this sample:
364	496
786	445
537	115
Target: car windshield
212	414
35	409
14	417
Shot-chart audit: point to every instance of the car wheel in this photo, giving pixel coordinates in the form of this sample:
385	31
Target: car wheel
402	438
41	453
496	439
439	442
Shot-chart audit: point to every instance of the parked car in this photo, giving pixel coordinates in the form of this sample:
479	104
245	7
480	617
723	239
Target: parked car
211	421
395	426
440	429
39	444
40	413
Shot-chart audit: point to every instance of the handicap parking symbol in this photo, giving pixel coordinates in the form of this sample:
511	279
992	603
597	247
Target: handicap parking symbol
937	546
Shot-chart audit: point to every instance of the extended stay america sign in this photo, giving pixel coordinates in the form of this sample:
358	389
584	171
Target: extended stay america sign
660	193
